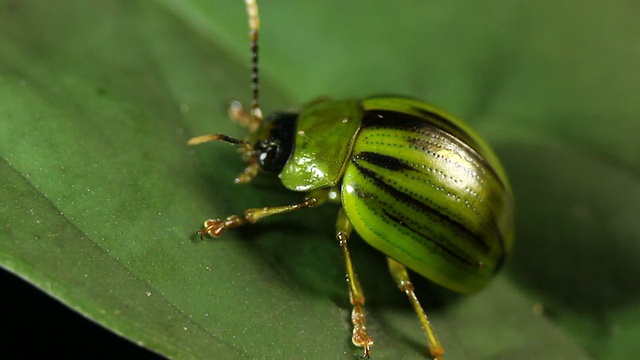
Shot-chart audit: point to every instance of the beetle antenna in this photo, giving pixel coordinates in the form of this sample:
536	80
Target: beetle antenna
219	137
254	26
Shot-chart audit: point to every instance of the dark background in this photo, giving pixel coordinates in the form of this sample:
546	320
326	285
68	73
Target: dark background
37	326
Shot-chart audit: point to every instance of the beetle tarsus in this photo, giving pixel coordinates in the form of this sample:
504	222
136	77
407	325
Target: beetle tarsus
216	227
250	172
437	353
360	336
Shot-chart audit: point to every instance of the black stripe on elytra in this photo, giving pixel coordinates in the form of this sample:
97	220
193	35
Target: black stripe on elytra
383	161
442	247
407	120
410	122
407	199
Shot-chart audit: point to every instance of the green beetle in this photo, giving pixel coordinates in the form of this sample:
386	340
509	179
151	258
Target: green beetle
414	182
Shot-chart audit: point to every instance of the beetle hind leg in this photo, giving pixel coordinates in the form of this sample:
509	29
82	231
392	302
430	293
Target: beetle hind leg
401	277
360	337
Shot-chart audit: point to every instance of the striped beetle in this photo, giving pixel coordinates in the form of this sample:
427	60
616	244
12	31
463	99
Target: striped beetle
414	182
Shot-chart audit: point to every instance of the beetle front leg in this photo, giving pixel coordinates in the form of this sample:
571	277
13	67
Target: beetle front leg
356	295
215	227
401	277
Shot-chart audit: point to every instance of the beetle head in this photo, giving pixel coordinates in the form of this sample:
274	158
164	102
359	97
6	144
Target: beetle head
274	144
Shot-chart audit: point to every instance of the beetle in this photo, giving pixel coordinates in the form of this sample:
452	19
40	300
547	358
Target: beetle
414	182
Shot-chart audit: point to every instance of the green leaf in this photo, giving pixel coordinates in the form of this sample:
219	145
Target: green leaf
101	196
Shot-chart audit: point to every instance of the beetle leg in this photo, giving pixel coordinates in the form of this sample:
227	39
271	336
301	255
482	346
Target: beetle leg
401	277
215	227
360	337
249	172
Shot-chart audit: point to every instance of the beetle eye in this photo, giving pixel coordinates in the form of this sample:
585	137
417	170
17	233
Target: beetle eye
271	156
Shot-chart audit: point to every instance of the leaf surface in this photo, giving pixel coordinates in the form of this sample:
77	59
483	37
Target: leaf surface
101	196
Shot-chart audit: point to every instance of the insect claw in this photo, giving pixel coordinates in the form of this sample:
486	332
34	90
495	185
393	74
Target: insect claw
366	352
212	227
216	227
436	352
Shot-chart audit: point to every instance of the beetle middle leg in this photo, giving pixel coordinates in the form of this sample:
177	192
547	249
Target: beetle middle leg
401	277
215	227
360	337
